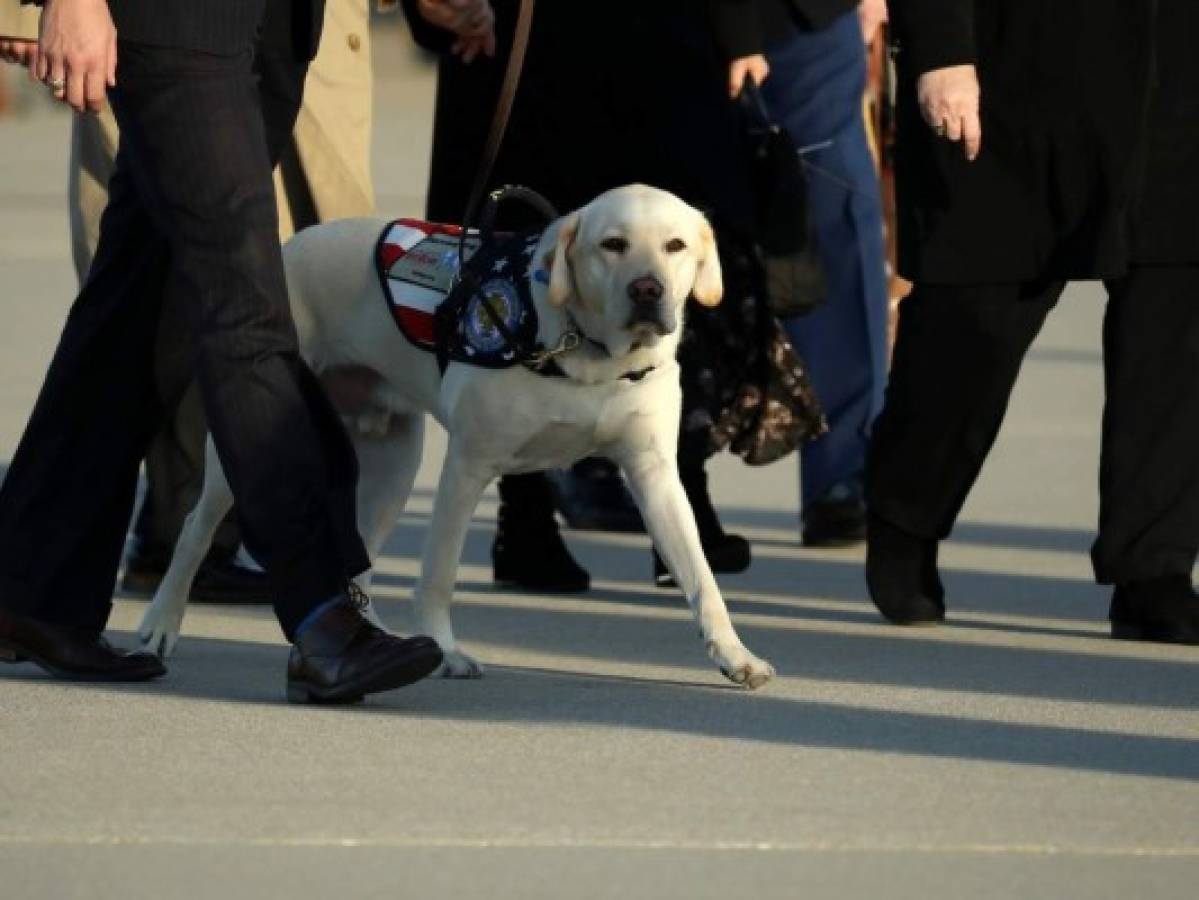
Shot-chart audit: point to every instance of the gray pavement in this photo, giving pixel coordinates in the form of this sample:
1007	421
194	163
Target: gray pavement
1015	752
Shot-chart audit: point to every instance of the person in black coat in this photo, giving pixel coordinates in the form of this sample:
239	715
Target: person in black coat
191	221
610	94
1038	143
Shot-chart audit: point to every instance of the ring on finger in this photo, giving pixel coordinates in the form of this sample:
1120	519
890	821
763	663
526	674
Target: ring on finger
941	129
57	85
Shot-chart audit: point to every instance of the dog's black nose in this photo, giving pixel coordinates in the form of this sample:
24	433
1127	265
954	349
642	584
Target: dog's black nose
645	289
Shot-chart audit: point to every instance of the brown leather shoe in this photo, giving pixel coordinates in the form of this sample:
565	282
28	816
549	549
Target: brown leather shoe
341	657
70	654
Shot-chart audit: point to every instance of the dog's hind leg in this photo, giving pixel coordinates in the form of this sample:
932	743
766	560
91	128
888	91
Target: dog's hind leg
159	629
458	493
387	465
653	479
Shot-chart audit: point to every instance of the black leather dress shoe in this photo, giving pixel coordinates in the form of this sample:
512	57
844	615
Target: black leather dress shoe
219	580
1164	609
342	657
224	581
70	654
902	576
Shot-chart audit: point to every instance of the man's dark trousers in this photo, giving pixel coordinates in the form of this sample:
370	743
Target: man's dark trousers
191	224
957	356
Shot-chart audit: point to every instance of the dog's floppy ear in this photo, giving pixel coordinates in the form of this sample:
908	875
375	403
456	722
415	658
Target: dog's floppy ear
561	283
709	284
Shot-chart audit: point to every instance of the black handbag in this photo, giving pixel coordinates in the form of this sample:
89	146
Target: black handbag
794	275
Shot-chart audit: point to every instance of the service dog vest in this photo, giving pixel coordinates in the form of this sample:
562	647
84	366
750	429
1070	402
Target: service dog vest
418	264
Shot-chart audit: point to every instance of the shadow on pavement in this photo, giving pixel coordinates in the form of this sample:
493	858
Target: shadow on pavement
627	559
236	671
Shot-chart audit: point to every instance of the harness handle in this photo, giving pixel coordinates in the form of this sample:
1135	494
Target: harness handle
491	211
469	280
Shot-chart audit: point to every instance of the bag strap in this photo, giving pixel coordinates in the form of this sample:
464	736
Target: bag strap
753	106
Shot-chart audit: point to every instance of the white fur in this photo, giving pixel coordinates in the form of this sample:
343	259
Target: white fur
505	420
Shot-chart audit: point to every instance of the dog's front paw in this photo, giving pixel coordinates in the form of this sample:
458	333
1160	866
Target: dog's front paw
456	664
159	630
740	666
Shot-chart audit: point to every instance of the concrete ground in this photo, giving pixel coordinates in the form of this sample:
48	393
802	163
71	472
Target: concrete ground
1015	752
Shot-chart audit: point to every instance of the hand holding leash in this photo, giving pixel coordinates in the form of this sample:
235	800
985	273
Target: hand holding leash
754	67
473	21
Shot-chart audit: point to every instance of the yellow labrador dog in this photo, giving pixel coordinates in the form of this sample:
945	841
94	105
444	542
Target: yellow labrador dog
615	275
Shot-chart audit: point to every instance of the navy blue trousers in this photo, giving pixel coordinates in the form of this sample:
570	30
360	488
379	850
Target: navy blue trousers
815	89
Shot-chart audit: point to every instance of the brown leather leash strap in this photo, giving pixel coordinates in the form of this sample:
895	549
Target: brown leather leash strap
503	109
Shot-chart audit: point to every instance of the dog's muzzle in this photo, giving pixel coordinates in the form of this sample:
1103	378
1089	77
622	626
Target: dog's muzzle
648	309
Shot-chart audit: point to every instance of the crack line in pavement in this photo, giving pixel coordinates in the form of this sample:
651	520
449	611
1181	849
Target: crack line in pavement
399	843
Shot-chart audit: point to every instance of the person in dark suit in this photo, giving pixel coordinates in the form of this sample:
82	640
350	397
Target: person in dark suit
1040	143
205	95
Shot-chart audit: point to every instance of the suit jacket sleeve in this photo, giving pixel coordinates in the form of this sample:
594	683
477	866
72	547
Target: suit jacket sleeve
737	27
935	33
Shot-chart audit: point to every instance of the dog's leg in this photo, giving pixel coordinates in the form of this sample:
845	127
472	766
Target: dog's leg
458	493
387	465
654	481
159	629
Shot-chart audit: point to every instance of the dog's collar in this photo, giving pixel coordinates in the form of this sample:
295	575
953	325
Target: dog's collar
551	369
544	361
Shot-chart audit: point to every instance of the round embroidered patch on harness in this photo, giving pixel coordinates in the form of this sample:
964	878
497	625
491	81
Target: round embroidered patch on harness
480	331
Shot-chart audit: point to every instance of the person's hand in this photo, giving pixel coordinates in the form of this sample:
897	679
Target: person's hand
469	47
949	102
19	52
871	14
753	67
473	21
77	56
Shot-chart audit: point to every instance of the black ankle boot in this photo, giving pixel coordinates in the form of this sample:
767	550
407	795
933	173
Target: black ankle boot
591	496
1162	609
726	553
528	551
902	576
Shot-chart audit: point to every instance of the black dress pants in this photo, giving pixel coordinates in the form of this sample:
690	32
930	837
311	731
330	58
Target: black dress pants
191	223
957	355
174	469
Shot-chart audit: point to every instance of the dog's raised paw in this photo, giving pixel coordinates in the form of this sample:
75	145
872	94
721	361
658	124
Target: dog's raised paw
741	667
456	664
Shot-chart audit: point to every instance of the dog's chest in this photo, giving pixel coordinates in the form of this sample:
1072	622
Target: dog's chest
521	422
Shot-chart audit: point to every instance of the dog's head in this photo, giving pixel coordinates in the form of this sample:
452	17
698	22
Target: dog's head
625	264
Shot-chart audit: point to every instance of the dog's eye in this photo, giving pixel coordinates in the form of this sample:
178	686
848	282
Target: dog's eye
615	244
675	245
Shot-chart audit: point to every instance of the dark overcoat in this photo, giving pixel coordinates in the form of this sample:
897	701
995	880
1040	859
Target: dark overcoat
1090	159
610	94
